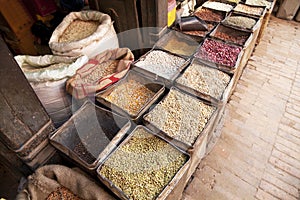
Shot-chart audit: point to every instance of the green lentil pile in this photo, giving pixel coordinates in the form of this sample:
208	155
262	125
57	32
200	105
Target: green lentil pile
240	21
143	166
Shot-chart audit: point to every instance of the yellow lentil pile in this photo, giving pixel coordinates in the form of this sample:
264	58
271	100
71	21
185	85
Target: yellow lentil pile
131	96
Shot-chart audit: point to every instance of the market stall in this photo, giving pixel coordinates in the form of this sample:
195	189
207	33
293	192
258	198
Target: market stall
143	133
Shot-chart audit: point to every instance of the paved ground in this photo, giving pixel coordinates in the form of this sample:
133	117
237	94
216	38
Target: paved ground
258	153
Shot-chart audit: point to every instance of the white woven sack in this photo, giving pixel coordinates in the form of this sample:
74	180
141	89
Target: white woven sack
102	39
49	82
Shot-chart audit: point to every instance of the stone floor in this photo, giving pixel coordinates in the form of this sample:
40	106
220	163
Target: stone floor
258	153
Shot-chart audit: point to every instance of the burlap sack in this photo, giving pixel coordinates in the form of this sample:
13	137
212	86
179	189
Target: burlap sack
102	39
80	89
48	178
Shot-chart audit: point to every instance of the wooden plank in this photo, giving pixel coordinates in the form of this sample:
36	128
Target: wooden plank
22	114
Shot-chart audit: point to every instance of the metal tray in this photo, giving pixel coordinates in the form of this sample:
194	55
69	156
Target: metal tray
92	132
181	174
262	14
167	82
233	32
229	2
155	86
183	45
178	143
222	13
222	100
225	68
201	35
254	28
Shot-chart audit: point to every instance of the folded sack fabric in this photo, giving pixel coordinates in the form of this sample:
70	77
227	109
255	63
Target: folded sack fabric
101	71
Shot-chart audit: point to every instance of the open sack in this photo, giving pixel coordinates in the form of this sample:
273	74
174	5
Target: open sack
51	178
101	71
93	34
47	76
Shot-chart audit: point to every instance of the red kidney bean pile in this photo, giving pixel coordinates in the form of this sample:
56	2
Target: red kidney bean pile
219	52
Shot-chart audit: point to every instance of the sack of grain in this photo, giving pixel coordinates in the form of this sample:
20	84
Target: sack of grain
60	182
48	75
83	33
101	71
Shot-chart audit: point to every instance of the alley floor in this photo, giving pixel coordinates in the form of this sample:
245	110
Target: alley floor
258	153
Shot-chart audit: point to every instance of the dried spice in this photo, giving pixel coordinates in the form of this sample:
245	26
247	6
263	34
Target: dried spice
249	10
62	193
78	29
131	96
143	166
266	3
240	21
161	63
219	52
83	153
231	35
209	15
205	80
180	116
200	33
180	46
218	6
102	70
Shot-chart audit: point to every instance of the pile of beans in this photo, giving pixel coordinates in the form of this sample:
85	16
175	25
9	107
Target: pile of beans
209	15
230	35
102	70
143	166
219	52
218	6
259	3
249	10
200	33
78	30
180	116
161	63
240	21
205	80
131	96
